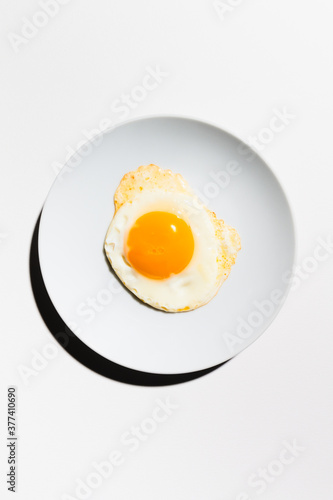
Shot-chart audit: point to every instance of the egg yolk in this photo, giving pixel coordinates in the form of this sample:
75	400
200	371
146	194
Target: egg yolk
159	244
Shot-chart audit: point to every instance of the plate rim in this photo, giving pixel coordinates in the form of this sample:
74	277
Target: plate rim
219	129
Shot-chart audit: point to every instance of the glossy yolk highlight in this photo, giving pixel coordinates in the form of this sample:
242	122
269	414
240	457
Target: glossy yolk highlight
159	244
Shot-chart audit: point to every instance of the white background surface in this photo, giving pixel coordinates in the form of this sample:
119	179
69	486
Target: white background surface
234	72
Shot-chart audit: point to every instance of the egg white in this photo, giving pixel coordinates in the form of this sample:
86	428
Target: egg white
192	287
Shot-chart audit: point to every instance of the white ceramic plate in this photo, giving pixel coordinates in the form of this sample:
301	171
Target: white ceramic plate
239	187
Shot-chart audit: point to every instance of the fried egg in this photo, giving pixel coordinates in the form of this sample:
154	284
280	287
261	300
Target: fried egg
165	246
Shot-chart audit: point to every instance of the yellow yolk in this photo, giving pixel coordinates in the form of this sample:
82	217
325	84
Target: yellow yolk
159	244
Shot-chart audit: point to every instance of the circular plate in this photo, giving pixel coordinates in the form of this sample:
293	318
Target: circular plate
232	180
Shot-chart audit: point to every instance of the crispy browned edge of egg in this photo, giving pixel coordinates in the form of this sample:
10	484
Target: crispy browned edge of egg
149	177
